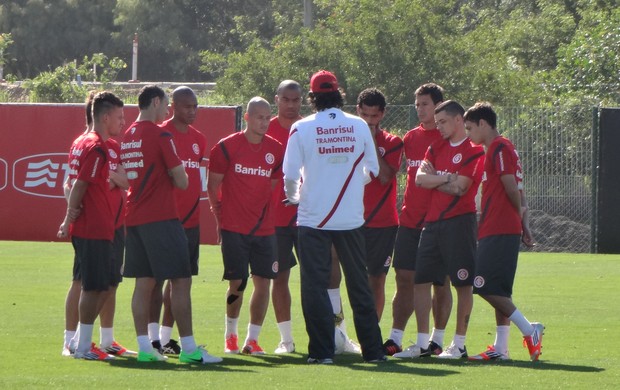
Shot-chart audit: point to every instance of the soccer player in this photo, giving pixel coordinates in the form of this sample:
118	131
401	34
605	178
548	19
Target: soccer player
91	218
411	221
156	242
452	169
243	170
504	222
288	100
191	147
328	152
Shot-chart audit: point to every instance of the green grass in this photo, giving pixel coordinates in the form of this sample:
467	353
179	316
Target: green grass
575	296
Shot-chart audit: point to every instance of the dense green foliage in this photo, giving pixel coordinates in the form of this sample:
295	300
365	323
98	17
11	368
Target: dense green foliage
506	51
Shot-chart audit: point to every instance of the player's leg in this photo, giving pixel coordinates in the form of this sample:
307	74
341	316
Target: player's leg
286	239
442	307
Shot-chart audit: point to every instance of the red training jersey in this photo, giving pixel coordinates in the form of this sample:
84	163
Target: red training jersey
191	148
464	159
118	194
498	215
246	191
88	159
147	153
380	200
416	199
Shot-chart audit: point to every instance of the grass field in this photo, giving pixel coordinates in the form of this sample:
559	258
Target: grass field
575	296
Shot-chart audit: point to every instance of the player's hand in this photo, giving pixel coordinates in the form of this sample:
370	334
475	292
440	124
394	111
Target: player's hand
527	239
428	168
288	202
63	230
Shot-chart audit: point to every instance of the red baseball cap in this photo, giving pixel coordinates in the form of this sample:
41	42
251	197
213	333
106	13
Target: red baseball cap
323	81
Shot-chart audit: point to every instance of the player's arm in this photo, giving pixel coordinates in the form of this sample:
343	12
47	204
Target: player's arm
179	177
526	237
455	184
214	184
73	206
512	190
118	178
386	171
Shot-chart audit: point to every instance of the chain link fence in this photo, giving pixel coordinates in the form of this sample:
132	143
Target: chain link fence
557	147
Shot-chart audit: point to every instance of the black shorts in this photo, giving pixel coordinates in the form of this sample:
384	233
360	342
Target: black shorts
193	246
240	250
406	248
95	263
118	255
379	249
286	237
448	247
157	250
496	264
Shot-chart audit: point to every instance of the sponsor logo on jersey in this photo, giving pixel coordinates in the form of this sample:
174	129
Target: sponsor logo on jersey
413	163
270	158
196	149
478	281
381	151
113	153
457	158
189	164
41	174
260	171
336	149
275	266
332	115
4	173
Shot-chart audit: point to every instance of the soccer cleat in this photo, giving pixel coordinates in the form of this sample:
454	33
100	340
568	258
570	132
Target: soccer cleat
67	351
285	347
434	348
351	346
491	354
412	351
154	356
252	348
534	341
380	359
171	348
94	354
453	352
231	344
320	361
118	350
390	347
156	345
199	356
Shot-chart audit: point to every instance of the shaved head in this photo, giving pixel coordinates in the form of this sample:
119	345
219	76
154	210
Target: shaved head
257	102
289	84
182	91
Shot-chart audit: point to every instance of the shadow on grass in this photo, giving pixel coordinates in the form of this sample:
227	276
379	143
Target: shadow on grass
525	364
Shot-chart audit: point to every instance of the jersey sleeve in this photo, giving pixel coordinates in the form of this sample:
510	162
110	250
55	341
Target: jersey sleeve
393	153
279	157
94	164
169	150
505	160
218	162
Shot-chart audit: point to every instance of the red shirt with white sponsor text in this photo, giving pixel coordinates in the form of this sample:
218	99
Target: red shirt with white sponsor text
379	199
118	194
88	159
497	214
464	159
191	148
147	153
416	199
246	191
284	215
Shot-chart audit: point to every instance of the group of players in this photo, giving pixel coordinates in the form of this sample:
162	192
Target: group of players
324	186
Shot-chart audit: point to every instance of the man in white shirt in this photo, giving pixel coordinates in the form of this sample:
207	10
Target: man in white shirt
329	152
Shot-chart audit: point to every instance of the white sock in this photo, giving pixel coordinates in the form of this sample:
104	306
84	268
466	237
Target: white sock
501	338
334	298
286	331
165	333
153	329
423	339
106	337
343	328
459	341
69	334
396	335
188	344
521	322
231	326
437	336
75	338
144	344
253	332
86	338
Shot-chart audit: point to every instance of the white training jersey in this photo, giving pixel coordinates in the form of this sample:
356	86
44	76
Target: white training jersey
328	152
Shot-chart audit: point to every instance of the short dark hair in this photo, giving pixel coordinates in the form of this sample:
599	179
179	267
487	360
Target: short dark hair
451	107
104	102
481	110
432	89
289	84
323	100
182	91
88	107
147	93
372	97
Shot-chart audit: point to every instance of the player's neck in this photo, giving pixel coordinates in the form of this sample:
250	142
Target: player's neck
492	137
180	126
285	122
147	116
429	125
252	137
102	133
